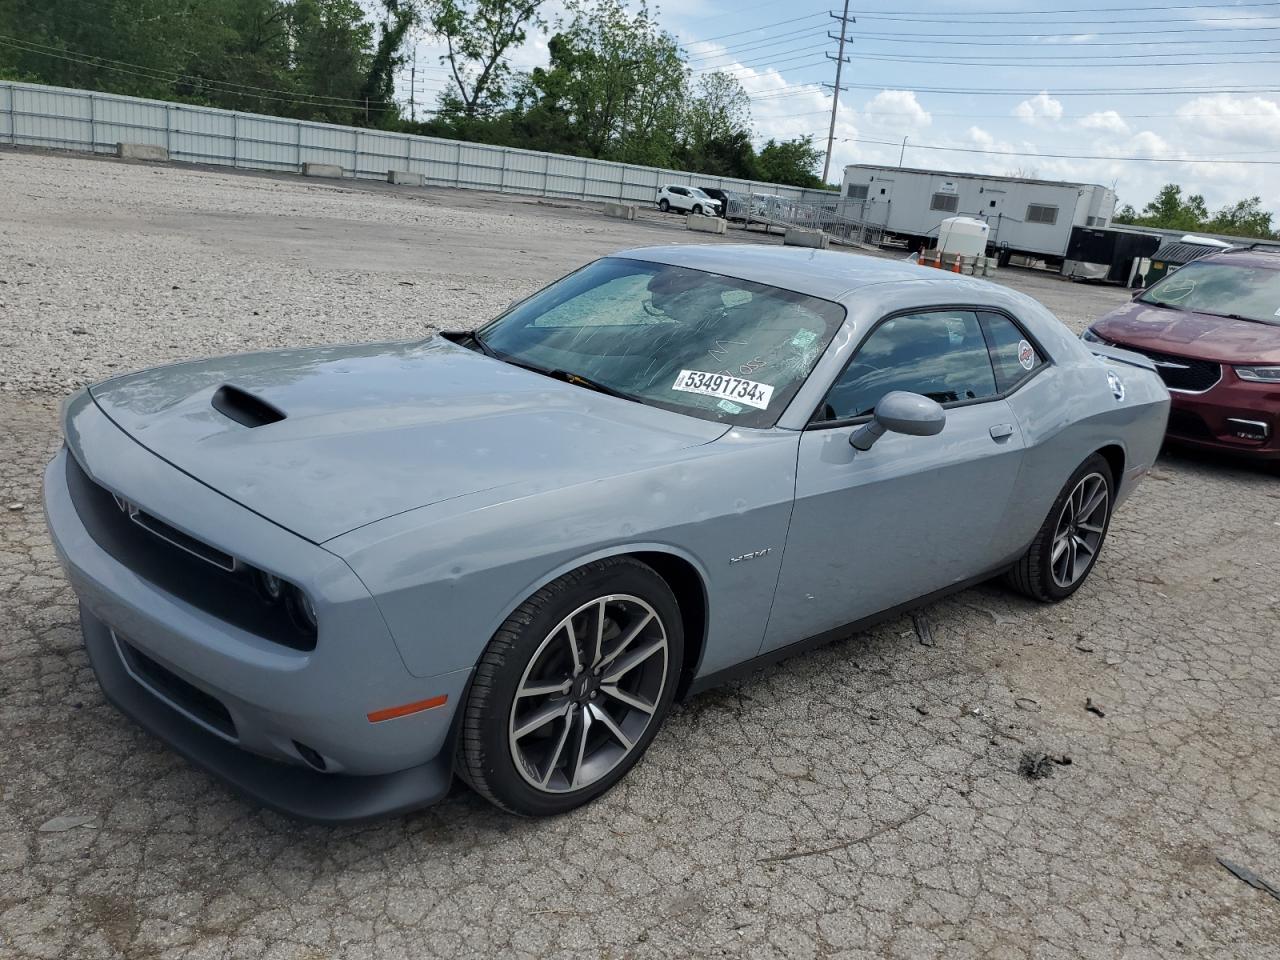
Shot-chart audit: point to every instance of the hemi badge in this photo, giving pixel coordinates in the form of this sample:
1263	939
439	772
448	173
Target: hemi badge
404	710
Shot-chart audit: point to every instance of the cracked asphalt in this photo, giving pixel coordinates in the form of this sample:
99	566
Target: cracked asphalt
863	800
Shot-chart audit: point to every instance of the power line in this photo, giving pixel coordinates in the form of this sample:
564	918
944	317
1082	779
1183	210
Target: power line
1030	23
763	26
977	61
789	37
1159	8
1067	156
984	42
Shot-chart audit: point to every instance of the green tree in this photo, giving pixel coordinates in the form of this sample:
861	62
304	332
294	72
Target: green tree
1244	218
614	87
791	162
715	129
378	90
478	34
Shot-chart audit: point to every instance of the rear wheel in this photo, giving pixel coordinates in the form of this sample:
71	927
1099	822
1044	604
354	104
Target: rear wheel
664	205
572	689
1064	551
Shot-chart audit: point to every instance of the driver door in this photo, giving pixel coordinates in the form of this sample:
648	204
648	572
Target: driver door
913	515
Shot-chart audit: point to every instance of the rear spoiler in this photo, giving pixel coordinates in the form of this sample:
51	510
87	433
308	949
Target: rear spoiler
1108	352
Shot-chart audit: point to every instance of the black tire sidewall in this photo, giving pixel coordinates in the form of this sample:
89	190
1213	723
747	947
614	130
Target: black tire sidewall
697	209
497	767
664	205
1044	550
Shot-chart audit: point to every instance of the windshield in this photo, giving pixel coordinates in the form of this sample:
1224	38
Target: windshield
1225	289
698	343
698	193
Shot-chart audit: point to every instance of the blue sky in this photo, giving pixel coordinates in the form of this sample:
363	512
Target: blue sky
1185	83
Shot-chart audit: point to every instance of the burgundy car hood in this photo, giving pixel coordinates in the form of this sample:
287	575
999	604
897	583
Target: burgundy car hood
1189	334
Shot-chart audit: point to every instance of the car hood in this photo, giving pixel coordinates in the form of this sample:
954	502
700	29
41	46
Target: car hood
369	431
1186	333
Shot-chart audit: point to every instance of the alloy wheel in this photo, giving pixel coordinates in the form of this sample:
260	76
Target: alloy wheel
589	693
1080	529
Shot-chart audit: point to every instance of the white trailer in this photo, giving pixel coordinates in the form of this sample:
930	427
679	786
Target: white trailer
1025	216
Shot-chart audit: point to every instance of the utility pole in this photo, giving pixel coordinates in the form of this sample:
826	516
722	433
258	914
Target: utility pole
903	155
413	84
840	60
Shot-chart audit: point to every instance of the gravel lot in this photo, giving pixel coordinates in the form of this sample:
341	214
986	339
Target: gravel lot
863	800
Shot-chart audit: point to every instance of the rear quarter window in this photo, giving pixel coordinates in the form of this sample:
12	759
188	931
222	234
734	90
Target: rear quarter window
1013	355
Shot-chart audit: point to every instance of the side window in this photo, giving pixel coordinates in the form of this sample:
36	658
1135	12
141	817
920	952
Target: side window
1014	356
942	355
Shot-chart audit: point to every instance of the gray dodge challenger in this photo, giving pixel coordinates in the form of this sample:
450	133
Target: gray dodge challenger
336	576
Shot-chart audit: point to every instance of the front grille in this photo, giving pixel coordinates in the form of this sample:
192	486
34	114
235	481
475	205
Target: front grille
182	566
205	707
1183	373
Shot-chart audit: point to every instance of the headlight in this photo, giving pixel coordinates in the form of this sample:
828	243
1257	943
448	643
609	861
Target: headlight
1090	337
1259	374
302	609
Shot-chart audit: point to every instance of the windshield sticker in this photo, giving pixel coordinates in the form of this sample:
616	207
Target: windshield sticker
735	389
803	338
1026	355
728	406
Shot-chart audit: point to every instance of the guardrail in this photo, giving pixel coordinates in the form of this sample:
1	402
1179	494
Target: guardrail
60	118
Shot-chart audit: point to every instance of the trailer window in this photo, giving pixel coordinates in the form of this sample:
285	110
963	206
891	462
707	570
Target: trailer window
1041	213
858	191
946	202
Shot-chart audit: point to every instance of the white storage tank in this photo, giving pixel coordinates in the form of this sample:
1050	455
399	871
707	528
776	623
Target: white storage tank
963	237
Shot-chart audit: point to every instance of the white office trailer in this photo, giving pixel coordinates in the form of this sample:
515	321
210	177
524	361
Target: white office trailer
1023	215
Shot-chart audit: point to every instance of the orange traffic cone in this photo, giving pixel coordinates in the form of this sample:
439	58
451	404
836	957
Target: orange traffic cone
955	267
937	260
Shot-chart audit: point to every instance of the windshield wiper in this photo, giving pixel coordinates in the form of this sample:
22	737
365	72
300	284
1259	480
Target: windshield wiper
567	376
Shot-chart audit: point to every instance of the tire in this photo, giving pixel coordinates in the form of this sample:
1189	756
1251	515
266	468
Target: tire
664	205
532	766
697	209
1049	579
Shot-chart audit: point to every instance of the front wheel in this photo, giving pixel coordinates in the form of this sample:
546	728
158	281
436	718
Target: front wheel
664	205
1066	548
697	209
572	689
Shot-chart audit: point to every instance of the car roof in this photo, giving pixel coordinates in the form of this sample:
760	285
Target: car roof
827	274
1266	257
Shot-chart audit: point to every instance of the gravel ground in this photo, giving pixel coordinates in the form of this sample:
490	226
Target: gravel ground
868	799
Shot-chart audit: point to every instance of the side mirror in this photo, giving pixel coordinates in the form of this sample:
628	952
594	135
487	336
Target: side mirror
901	412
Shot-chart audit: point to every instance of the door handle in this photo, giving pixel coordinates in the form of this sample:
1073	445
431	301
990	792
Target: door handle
1001	431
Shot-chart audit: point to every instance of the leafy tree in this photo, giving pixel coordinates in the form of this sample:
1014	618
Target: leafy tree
1244	218
791	161
614	87
716	128
478	34
380	84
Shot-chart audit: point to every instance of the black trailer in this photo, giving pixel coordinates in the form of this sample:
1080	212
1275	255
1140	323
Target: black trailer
1111	256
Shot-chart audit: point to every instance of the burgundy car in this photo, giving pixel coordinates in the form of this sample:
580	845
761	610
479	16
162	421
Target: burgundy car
1213	331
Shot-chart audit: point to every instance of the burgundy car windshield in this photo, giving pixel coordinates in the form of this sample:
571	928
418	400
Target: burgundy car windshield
710	346
1223	289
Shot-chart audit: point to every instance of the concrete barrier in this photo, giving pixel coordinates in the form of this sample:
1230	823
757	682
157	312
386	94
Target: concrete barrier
623	211
706	224
795	237
331	170
406	179
141	151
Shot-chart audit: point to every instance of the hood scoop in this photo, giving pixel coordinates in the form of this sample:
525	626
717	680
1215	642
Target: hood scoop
244	408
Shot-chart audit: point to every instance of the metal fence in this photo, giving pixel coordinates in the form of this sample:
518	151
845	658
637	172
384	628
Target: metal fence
59	118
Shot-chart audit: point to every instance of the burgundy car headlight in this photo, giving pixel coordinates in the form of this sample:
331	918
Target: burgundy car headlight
1259	374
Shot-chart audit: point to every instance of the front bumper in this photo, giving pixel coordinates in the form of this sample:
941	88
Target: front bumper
1215	419
251	711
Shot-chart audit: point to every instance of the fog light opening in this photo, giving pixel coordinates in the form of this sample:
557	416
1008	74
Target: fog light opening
311	756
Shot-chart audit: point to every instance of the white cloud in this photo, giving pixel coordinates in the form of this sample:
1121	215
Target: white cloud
1039	109
1251	121
897	108
1105	121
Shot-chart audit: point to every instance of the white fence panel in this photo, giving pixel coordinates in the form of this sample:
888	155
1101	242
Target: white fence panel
41	116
